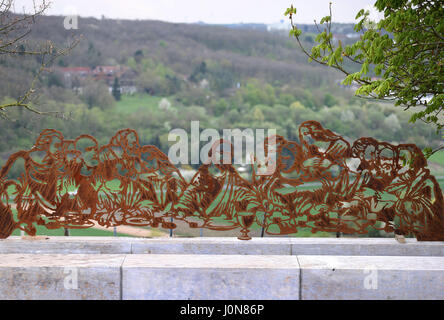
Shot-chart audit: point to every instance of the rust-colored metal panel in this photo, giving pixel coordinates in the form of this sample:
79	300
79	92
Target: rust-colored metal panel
320	183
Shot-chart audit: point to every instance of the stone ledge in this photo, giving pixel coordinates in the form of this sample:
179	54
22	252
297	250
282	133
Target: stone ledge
371	277
68	245
224	246
256	246
365	247
210	277
52	276
178	276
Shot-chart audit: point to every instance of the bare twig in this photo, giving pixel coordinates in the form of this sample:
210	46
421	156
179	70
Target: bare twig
14	29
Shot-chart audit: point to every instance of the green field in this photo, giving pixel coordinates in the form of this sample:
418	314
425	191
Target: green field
438	171
438	158
131	104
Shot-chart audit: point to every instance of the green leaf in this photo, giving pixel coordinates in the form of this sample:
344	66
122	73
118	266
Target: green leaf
360	13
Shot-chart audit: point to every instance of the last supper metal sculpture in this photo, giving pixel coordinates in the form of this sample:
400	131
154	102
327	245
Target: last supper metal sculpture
320	183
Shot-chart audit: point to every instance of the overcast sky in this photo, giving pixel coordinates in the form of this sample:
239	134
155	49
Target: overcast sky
209	11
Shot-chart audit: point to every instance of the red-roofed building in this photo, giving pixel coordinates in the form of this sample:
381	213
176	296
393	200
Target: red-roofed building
74	76
108	73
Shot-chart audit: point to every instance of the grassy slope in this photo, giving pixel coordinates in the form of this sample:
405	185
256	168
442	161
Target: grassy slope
438	158
130	104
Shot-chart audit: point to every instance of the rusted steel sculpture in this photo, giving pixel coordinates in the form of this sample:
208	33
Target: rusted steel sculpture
367	184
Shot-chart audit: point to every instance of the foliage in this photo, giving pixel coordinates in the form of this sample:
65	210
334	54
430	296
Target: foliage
96	94
116	91
15	45
404	50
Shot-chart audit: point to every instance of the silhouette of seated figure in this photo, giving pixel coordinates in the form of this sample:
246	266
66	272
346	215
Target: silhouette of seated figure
377	169
216	190
36	189
418	205
324	161
160	184
119	190
77	196
274	182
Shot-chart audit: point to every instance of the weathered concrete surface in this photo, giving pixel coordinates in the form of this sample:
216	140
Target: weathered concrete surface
68	245
224	246
232	246
211	277
59	277
371	277
196	276
365	247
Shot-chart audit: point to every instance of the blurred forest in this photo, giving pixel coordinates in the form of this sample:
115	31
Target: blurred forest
225	77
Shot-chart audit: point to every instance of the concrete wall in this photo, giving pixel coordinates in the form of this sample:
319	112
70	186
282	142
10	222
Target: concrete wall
256	246
210	277
371	277
55	276
271	268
